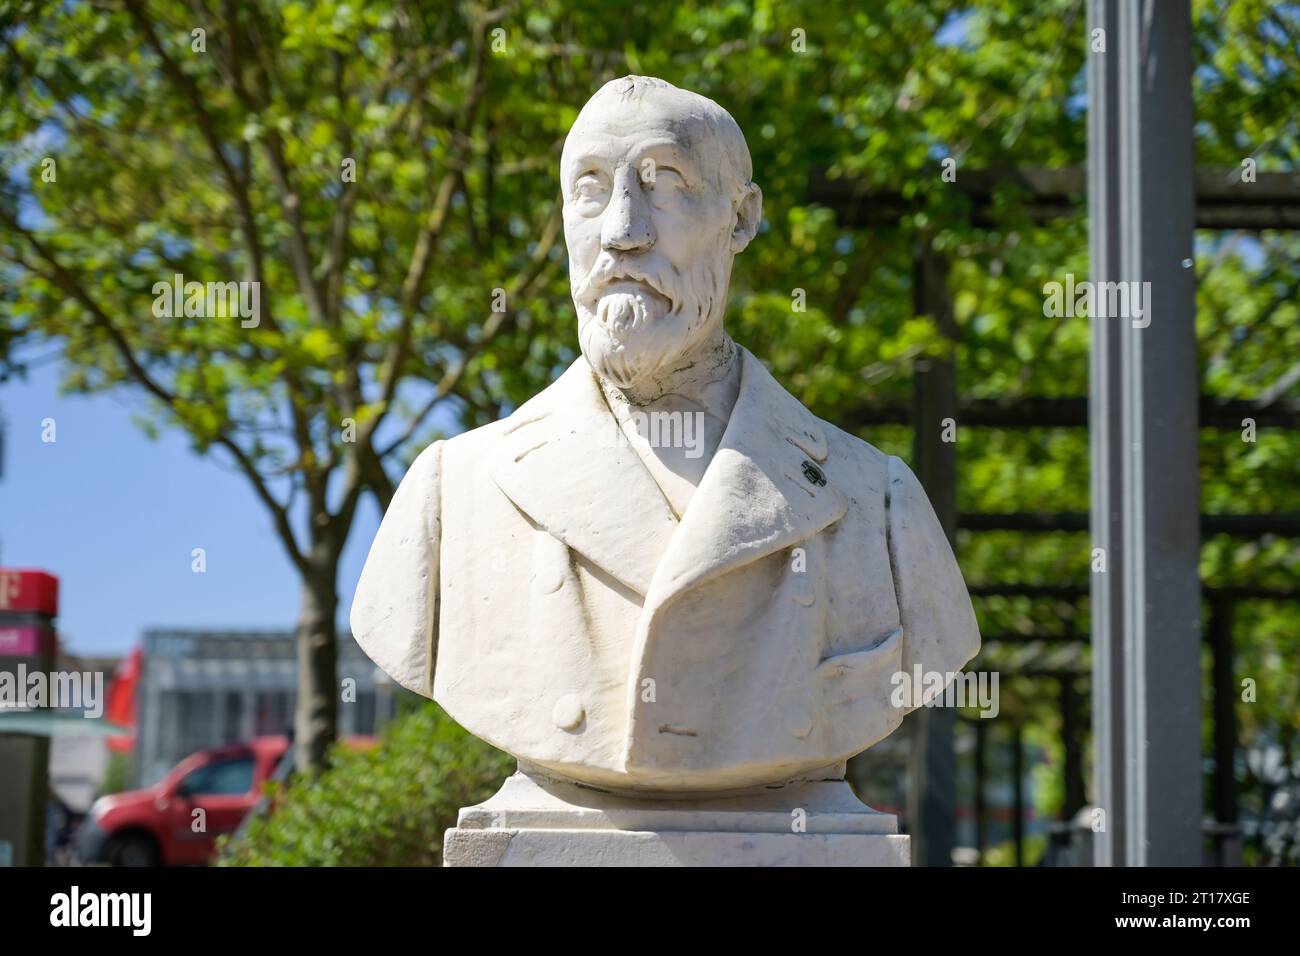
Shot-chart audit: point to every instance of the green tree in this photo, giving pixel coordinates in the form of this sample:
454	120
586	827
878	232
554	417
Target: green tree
338	155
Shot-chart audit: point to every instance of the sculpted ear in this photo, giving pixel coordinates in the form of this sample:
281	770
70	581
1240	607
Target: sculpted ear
749	212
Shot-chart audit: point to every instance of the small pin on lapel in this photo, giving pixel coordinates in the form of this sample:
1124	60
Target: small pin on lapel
814	474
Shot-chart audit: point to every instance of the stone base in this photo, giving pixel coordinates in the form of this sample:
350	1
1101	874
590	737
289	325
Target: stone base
535	821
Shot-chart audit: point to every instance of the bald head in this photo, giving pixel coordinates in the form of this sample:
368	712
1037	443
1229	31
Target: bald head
696	122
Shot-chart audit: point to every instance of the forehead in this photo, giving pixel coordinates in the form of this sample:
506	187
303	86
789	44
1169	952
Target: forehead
613	126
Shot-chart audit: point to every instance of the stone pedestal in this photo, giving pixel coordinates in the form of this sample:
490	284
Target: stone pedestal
536	821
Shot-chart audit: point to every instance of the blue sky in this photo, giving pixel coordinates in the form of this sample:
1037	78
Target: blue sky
115	516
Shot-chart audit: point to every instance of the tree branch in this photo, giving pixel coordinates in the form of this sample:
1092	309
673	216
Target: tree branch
518	286
69	284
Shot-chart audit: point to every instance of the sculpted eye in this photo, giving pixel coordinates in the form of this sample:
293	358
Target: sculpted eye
590	185
665	176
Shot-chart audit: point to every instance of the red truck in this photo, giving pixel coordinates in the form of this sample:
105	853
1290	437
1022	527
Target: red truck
159	826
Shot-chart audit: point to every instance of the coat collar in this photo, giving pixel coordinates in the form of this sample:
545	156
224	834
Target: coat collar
564	464
765	489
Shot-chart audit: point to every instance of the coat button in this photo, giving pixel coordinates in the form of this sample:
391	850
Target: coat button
568	713
548	581
805	596
799	723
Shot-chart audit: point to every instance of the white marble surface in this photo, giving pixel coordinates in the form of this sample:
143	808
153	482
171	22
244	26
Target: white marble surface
536	821
672	617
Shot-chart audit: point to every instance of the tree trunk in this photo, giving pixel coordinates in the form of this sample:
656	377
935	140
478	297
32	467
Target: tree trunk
316	715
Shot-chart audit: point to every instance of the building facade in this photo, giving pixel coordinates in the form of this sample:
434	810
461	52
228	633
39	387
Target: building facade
202	689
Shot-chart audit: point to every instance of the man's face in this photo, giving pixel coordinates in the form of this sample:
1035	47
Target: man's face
649	211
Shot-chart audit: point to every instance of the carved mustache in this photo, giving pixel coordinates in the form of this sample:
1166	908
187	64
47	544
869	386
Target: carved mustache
608	272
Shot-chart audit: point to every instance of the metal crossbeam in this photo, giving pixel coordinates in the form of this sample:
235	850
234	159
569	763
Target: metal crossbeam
1285	524
1223	199
1036	411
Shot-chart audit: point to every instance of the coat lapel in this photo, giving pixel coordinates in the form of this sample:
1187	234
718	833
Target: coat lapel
764	490
565	464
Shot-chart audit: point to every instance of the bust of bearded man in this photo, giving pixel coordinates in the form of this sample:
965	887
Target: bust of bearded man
662	574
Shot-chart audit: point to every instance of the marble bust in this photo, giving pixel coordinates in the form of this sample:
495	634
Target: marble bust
719	610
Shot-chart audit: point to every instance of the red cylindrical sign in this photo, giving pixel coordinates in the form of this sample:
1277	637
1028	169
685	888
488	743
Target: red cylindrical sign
27	642
23	591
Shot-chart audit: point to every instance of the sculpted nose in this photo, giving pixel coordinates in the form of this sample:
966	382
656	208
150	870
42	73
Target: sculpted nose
627	226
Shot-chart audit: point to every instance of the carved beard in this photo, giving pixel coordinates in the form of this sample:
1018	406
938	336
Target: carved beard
633	333
630	335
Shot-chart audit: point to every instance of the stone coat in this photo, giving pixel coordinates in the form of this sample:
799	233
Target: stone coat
577	624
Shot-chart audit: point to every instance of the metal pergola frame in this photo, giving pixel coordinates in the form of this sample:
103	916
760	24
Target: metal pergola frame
1144	412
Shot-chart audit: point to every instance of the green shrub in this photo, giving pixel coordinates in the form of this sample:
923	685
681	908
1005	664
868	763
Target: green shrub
119	775
385	807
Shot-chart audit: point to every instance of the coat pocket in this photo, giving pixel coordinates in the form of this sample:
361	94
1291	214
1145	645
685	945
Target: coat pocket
858	674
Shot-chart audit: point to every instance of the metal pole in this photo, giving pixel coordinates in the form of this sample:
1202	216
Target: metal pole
1225	715
1143	418
1104	437
1018	794
1072	771
932	796
980	772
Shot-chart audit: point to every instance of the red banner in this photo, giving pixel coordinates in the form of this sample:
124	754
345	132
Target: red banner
121	699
